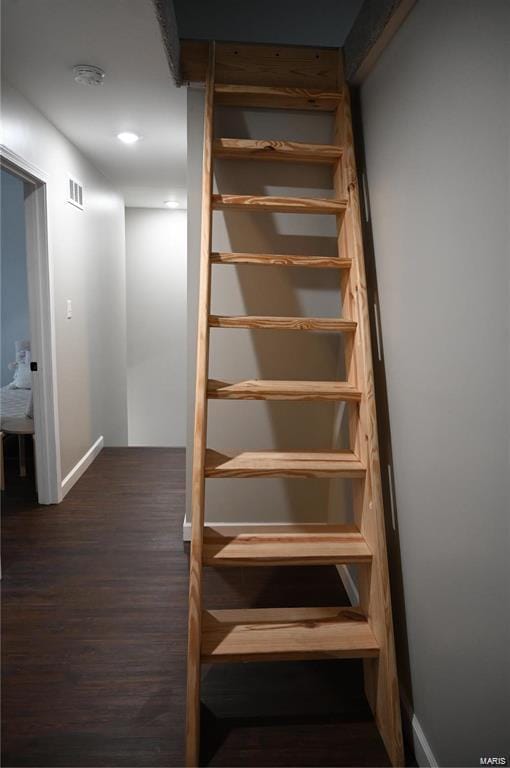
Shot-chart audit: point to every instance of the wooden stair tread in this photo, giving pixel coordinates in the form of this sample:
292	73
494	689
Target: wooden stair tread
258	389
284	545
281	260
284	464
282	151
282	323
276	204
277	97
270	634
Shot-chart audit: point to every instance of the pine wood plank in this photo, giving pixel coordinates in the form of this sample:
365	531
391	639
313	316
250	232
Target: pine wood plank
281	260
276	204
277	634
198	478
284	464
282	323
279	151
258	64
258	389
300	66
276	97
284	545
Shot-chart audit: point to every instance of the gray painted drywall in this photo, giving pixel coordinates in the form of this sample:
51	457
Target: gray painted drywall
156	326
87	249
287	22
15	318
240	354
437	130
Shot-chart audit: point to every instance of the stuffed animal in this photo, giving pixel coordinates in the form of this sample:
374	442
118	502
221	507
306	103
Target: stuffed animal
21	366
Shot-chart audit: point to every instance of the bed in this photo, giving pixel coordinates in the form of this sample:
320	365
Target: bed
15	404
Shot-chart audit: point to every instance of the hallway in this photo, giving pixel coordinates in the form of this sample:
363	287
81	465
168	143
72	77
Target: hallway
94	638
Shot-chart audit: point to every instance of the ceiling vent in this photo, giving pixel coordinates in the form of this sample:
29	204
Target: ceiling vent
88	74
75	193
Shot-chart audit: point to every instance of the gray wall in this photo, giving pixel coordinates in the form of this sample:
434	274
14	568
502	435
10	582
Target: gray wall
87	250
289	22
15	318
240	354
156	326
437	129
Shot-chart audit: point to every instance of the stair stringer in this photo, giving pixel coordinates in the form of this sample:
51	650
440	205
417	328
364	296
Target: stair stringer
381	679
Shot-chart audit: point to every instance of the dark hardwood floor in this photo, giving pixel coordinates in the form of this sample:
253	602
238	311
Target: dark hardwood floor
94	637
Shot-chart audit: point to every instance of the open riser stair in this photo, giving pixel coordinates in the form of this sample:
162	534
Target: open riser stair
278	634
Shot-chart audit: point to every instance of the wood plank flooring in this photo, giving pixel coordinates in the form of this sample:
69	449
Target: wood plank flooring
94	637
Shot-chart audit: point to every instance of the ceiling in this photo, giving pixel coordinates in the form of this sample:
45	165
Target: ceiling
43	39
291	22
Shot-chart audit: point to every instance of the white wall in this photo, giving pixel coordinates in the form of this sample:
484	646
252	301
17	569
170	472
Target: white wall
88	253
437	130
156	326
239	354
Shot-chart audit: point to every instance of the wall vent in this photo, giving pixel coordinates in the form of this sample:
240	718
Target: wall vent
75	193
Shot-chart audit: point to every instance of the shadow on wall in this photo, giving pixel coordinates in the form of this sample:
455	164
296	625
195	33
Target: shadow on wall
258	290
384	433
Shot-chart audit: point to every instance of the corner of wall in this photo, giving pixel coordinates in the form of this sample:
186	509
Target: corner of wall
81	466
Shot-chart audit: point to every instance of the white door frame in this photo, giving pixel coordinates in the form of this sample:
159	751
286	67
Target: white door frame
42	325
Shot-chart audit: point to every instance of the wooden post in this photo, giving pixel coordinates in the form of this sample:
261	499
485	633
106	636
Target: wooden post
198	475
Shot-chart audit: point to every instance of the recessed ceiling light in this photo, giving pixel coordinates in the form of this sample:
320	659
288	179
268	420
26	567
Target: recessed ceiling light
171	203
88	74
127	137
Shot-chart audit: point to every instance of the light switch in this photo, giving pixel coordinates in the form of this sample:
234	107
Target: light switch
69	312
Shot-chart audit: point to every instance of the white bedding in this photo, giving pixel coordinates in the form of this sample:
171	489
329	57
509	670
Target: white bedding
13	409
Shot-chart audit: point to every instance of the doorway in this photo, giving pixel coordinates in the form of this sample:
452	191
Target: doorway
29	405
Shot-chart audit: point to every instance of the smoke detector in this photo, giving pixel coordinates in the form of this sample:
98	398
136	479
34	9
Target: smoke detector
87	74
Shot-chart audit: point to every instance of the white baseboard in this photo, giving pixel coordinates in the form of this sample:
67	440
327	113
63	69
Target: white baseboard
186	526
82	465
349	584
422	751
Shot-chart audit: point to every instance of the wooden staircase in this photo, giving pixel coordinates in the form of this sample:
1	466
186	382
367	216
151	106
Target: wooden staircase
364	631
